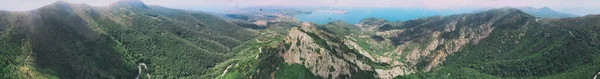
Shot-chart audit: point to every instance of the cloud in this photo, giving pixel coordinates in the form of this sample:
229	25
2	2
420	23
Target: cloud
580	7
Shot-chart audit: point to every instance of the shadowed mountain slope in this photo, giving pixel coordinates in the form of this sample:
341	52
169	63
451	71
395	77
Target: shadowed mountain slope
80	41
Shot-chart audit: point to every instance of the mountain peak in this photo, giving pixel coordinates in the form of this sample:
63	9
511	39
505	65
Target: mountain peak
135	1
131	3
57	5
508	10
545	12
60	2
545	8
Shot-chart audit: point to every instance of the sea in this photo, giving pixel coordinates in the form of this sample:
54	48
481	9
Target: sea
354	15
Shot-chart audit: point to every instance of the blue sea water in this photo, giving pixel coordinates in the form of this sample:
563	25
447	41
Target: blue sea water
354	15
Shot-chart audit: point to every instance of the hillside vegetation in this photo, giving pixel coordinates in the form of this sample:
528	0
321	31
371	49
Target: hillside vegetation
78	41
64	40
542	48
499	43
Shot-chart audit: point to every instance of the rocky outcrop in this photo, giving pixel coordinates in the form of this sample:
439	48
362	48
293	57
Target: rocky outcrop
418	45
319	60
433	39
391	73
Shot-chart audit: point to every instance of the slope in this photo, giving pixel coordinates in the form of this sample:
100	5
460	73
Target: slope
543	12
499	43
80	41
341	50
524	47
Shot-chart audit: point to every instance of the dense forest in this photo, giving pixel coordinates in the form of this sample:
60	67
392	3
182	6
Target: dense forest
64	40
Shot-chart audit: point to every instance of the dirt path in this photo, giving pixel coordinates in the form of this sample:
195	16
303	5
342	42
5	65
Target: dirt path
596	75
225	71
140	70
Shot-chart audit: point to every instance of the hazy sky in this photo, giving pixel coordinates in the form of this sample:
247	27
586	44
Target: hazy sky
578	7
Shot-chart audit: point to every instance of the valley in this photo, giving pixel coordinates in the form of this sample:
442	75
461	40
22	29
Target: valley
130	39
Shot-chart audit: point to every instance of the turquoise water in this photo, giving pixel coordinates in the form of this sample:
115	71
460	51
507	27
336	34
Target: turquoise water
354	15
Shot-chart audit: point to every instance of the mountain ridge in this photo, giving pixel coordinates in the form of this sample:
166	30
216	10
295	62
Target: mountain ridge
45	42
543	12
64	40
312	46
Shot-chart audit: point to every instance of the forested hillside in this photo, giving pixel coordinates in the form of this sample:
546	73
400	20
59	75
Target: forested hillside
499	43
541	48
129	39
64	40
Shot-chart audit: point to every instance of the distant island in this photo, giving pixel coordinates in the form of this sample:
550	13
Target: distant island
336	11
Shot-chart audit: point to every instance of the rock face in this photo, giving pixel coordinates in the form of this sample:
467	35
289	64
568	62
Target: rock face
323	58
462	44
305	51
418	45
425	43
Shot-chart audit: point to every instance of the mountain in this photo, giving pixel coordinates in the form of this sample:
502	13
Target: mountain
507	44
78	41
130	39
542	48
300	54
498	43
543	12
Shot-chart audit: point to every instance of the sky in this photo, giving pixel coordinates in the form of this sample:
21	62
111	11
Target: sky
578	7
